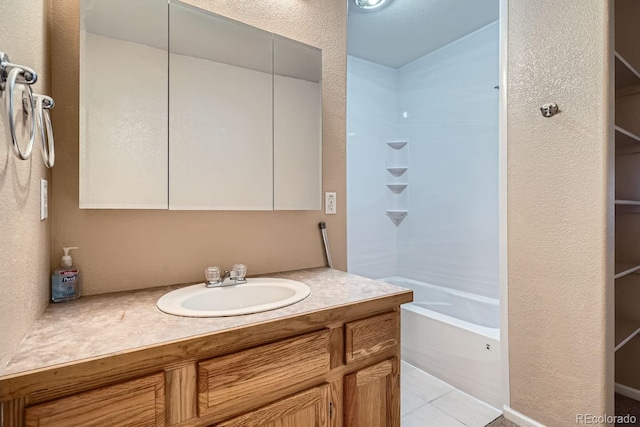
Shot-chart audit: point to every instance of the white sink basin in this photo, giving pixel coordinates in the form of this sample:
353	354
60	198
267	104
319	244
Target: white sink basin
252	297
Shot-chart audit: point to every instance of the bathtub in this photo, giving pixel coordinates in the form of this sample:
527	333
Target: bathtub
454	336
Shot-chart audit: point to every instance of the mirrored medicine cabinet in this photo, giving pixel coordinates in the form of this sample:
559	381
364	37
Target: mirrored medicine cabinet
183	109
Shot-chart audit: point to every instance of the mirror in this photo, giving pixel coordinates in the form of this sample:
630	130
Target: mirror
234	124
221	113
123	104
297	125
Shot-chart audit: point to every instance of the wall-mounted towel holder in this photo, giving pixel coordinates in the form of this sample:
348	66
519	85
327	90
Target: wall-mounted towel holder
35	106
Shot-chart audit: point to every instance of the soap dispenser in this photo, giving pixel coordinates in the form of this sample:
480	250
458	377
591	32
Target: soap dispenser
65	281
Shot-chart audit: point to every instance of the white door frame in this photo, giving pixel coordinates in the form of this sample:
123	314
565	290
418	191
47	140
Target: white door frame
504	288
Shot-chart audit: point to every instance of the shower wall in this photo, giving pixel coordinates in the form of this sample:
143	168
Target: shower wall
371	121
446	106
450	237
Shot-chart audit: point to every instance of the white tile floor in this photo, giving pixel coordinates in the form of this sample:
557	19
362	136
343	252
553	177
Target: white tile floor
429	402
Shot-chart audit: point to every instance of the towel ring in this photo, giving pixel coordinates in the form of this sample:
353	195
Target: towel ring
29	76
43	104
11	86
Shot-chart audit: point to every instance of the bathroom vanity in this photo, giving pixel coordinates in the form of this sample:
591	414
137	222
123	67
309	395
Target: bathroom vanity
330	360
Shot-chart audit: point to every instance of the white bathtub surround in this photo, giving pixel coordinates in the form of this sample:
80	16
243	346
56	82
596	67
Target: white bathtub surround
449	115
430	402
371	113
464	354
450	237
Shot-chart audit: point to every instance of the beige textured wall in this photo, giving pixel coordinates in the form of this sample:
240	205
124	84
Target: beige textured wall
560	223
24	238
127	249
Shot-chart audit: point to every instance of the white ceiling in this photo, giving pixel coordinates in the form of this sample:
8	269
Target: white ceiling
406	30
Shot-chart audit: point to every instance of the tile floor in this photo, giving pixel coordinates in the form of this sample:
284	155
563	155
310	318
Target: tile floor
429	402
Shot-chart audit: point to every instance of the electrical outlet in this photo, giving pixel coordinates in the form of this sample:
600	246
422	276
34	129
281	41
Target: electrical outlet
330	203
44	200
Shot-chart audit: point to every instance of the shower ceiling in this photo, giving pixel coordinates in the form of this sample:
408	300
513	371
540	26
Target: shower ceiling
406	30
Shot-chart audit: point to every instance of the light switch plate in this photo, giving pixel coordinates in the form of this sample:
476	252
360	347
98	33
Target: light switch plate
44	200
330	203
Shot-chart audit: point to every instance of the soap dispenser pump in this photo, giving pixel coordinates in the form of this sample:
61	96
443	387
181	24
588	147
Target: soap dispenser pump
65	281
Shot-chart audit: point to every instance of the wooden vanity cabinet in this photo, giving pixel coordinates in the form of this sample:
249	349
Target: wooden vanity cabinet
310	408
336	374
248	378
370	336
134	403
372	396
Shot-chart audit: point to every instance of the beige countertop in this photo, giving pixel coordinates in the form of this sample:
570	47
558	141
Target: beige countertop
108	324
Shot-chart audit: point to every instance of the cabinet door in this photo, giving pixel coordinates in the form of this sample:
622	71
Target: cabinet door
307	409
372	396
137	403
297	125
297	144
123	117
220	113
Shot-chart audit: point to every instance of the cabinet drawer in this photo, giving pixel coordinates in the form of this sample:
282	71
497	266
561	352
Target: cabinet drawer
307	409
370	336
139	402
232	384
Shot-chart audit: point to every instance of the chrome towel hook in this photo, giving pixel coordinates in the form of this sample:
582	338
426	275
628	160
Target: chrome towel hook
549	109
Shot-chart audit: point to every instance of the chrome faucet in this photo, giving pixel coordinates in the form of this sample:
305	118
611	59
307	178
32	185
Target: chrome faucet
237	274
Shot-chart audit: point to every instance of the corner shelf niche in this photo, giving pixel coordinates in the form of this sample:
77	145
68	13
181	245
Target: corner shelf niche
397	198
397	215
397	170
397	188
397	145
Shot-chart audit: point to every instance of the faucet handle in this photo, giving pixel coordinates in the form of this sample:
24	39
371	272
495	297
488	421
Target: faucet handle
212	274
238	272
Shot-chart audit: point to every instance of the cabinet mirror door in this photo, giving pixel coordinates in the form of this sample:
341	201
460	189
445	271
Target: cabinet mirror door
123	104
220	113
297	125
